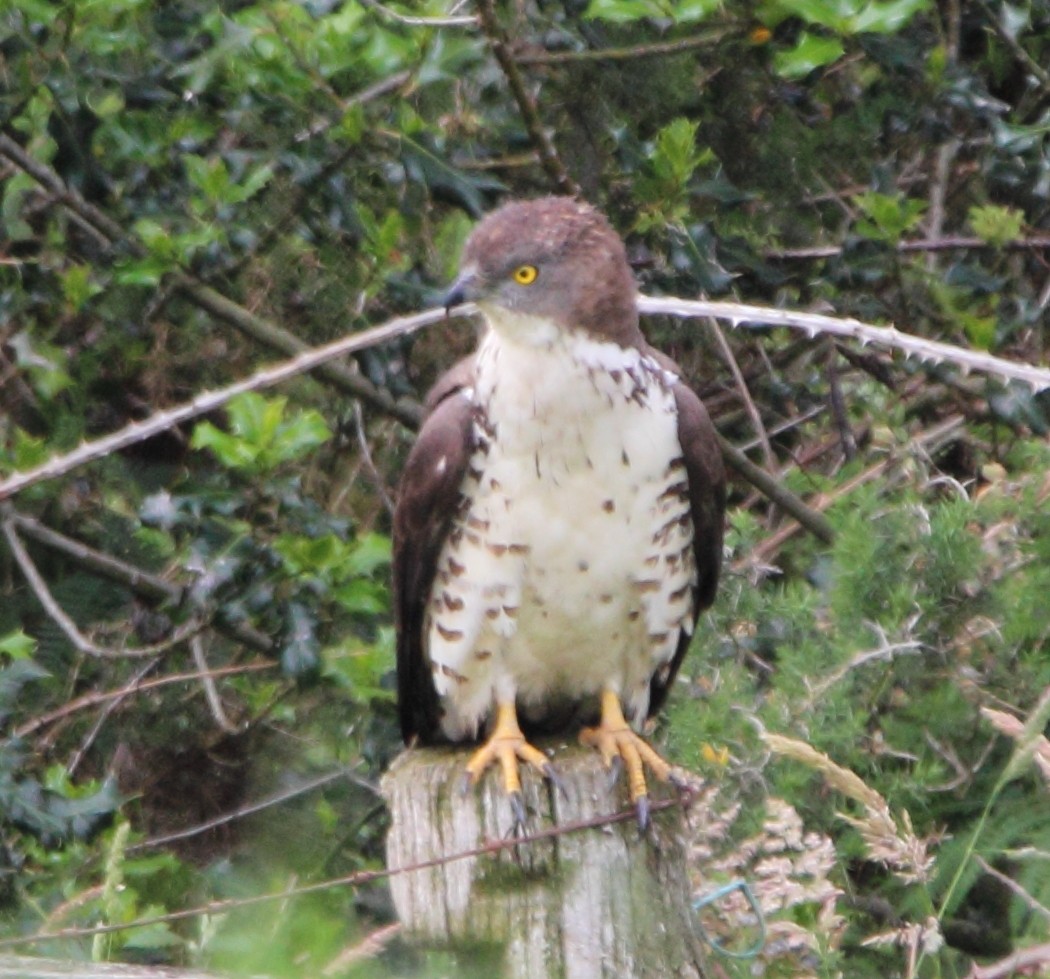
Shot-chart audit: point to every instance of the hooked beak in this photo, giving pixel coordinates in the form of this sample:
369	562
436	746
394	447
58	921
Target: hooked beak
463	290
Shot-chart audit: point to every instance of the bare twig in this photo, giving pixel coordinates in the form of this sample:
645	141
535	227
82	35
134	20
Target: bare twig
104	715
142	583
366	456
376	89
68	627
549	159
211	692
93	699
453	20
745	395
148	586
1015	964
1030	64
656	49
370	947
253	808
885	652
764	551
815	522
1033	905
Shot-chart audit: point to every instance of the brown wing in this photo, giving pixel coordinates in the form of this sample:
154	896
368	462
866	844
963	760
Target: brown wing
426	506
707	501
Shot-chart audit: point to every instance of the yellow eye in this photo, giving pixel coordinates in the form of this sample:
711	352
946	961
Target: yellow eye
525	275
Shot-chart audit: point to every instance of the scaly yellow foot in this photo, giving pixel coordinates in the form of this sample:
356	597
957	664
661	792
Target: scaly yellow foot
507	745
620	746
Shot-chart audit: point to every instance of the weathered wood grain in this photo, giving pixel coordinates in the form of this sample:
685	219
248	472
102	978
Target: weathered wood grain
600	903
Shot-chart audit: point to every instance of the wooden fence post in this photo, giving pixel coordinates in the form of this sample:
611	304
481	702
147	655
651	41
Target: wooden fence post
598	903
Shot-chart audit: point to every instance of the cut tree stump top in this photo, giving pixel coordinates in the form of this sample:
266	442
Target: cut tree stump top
603	902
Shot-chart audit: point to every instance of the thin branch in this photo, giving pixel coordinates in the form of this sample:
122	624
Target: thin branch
368	948
1015	964
148	586
370	465
1030	64
142	583
930	439
211	691
382	87
530	115
105	714
887	651
943	155
252	808
814	521
928	351
657	49
93	699
68	627
460	20
745	395
947	243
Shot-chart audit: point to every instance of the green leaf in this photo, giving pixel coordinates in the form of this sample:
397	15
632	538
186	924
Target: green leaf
621	11
17	645
885	18
45	364
889	216
209	176
77	286
370	552
230	450
260	437
810	53
980	330
996	225
849	17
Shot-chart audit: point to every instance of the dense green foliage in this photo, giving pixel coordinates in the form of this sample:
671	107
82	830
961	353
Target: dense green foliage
320	164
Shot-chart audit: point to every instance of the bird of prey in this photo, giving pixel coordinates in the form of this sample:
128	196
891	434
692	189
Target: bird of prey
559	523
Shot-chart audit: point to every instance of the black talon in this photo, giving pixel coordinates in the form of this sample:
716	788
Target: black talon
556	780
517	808
642	808
615	771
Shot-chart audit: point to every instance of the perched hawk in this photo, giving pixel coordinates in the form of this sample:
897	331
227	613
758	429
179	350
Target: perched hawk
559	525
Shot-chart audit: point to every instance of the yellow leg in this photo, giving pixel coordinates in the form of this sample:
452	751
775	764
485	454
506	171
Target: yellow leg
507	745
617	743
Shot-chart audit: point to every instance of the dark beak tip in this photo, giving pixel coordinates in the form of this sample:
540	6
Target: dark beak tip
454	297
461	291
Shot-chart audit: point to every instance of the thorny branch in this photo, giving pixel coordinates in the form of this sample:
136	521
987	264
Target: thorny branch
310	359
888	337
161	421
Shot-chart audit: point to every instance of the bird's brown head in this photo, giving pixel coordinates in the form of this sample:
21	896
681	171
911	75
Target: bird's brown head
555	260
